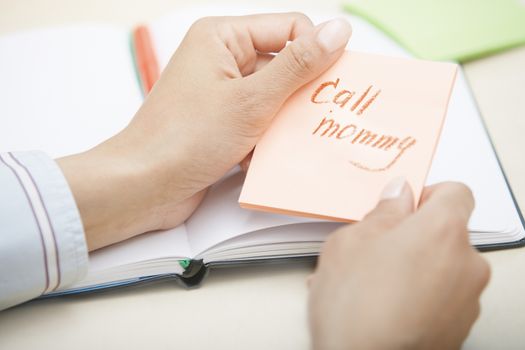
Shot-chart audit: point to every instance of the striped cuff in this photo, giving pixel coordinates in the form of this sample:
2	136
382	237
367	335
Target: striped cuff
60	231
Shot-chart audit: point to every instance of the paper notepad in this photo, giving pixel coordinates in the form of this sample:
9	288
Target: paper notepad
340	139
447	29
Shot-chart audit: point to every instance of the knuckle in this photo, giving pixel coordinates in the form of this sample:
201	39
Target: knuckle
329	250
451	229
387	215
241	93
250	110
244	99
478	271
384	221
389	211
299	17
483	272
459	194
204	23
300	60
334	240
461	189
340	238
476	312
453	221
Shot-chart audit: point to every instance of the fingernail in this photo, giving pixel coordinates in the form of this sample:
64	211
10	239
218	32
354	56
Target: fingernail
394	188
334	34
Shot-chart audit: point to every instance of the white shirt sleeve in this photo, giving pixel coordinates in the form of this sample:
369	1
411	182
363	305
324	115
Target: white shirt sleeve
42	242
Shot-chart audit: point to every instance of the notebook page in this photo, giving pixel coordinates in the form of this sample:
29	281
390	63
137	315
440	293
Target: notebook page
220	217
147	247
167	33
465	154
144	255
271	242
64	90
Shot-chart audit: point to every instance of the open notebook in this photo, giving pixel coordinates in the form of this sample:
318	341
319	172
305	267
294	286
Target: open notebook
63	90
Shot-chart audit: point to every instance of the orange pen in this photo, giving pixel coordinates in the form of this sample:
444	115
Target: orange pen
145	59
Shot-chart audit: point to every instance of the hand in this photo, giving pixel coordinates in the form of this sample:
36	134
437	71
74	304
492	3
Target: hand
400	279
214	100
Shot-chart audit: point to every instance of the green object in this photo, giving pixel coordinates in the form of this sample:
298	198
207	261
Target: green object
135	65
185	263
458	30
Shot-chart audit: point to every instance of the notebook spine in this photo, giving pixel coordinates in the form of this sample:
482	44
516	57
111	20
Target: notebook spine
194	274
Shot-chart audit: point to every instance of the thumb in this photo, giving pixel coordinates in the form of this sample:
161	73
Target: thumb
396	203
303	59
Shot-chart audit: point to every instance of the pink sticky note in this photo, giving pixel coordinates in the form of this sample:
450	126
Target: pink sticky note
340	139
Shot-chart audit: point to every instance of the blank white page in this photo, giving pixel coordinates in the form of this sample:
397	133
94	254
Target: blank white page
63	90
146	247
465	154
220	218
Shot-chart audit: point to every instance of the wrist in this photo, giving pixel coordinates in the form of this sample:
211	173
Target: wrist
118	191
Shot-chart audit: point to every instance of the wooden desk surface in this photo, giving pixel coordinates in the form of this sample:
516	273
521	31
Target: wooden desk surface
258	307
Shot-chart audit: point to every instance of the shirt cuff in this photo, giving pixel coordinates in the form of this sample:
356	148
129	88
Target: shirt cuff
63	238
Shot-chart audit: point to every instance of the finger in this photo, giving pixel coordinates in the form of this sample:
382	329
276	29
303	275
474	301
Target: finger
446	208
397	202
481	272
301	61
271	32
452	196
246	36
429	190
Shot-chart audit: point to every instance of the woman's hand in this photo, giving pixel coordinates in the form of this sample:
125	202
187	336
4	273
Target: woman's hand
214	100
400	279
